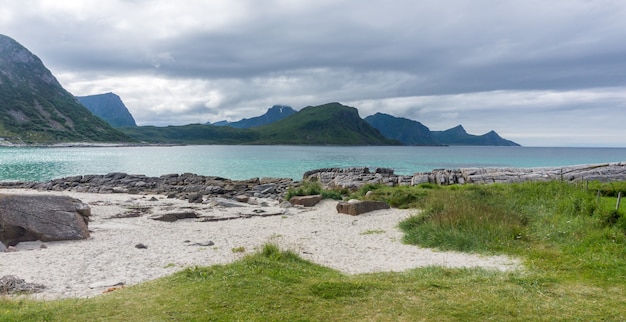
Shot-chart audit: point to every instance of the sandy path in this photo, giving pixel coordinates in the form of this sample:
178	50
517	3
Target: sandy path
85	268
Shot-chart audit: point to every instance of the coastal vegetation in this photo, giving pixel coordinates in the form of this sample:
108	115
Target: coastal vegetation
571	240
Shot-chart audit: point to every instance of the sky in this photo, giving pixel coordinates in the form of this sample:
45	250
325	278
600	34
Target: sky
540	73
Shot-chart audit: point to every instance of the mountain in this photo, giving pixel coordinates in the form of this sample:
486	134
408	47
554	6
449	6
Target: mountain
273	114
108	107
331	123
408	132
458	136
35	108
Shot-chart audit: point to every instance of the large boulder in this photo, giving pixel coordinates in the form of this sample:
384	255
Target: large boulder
42	217
357	207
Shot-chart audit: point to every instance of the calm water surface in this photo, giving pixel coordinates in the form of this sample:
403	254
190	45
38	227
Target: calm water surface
244	162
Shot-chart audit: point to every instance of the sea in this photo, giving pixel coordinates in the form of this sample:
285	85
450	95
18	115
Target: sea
241	162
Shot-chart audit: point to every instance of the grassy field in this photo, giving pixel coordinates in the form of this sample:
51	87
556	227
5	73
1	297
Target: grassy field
570	237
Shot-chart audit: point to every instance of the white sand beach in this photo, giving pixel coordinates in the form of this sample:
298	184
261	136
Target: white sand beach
85	268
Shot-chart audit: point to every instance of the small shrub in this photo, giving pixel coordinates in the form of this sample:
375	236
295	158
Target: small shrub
239	249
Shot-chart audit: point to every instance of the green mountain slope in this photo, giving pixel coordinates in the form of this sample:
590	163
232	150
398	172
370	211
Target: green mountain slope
35	108
192	134
332	123
408	132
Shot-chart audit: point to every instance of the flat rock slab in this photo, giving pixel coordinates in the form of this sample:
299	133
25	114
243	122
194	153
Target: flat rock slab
305	201
356	207
42	217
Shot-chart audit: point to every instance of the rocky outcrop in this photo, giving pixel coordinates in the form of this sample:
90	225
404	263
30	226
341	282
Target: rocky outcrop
182	186
591	172
354	178
42	217
358	207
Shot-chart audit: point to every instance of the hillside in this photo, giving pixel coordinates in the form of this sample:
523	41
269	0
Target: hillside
191	134
35	108
273	114
458	136
332	123
108	107
408	132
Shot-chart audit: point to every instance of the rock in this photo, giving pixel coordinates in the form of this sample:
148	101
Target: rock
195	198
356	207
305	201
242	198
104	284
10	284
3	248
285	204
173	216
222	202
141	246
42	217
203	244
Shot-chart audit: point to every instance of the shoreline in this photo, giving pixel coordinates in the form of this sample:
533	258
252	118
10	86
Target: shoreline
110	257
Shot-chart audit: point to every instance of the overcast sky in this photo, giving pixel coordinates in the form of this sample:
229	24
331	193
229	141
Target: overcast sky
541	73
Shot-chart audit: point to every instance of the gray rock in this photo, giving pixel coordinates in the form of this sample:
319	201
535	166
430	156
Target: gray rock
141	246
222	202
10	284
356	207
3	248
242	198
42	217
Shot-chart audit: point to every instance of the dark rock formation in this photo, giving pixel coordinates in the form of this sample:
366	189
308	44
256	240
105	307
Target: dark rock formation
181	186
174	216
45	218
357	207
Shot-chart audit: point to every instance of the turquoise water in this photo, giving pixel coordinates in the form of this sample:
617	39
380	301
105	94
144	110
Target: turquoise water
244	162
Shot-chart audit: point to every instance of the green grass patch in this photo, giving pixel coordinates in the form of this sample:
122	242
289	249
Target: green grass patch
570	240
309	188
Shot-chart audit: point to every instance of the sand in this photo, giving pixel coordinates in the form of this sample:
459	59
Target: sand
85	268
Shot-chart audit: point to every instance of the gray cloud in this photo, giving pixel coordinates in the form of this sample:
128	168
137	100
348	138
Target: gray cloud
531	70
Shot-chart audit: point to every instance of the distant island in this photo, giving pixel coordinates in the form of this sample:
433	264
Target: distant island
36	109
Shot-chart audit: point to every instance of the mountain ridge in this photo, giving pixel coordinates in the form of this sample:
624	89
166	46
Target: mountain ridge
35	108
273	114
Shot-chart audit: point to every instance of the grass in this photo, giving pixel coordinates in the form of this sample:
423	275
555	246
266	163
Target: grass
572	243
308	188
